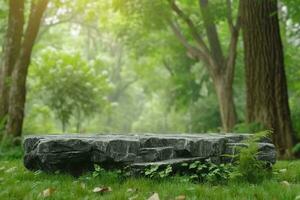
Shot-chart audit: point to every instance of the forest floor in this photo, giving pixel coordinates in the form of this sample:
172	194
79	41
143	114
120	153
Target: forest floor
18	183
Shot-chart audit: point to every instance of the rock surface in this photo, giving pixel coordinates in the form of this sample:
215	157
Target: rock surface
78	153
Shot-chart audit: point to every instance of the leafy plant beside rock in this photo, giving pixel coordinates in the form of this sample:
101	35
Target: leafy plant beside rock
196	171
248	167
244	166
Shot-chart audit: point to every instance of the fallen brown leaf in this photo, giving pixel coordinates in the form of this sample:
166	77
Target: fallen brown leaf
48	192
102	190
154	196
180	197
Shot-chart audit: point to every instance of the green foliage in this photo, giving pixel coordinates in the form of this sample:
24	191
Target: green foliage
72	88
171	92
207	172
195	172
155	172
296	148
151	14
16	182
98	171
293	8
8	151
248	127
3	20
249	168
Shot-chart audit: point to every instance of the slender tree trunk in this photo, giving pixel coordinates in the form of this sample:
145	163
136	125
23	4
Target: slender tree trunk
224	93
63	126
78	121
11	51
267	96
18	87
219	67
223	75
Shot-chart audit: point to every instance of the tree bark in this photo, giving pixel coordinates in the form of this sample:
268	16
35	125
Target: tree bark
223	74
224	93
18	87
11	51
267	96
219	67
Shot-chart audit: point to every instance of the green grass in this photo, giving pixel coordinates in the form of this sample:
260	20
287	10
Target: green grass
18	183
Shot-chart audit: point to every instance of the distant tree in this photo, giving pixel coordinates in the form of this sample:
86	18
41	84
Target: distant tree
267	96
71	87
219	65
17	54
204	46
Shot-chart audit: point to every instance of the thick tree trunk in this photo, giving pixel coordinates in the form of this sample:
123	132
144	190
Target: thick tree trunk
11	51
18	87
267	97
224	93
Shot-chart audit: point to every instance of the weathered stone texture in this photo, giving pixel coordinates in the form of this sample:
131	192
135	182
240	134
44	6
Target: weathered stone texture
78	153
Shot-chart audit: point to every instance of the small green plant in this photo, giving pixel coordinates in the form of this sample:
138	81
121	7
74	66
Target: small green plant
248	127
197	171
158	172
207	171
296	149
244	167
248	167
98	171
152	171
166	172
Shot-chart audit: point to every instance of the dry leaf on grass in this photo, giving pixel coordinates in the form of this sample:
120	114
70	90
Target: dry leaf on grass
132	190
154	196
180	197
282	170
102	190
47	192
285	183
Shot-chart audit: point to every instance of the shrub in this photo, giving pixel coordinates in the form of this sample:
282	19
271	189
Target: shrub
198	171
248	167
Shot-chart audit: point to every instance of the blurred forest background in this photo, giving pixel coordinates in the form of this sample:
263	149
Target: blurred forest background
134	66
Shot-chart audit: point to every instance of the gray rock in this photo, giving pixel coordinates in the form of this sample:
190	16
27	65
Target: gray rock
155	154
78	153
266	152
173	162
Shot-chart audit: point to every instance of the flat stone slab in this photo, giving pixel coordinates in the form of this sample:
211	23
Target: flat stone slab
78	153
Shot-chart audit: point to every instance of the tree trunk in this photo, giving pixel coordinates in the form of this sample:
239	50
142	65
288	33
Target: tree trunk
11	51
219	67
224	93
223	74
267	96
18	88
